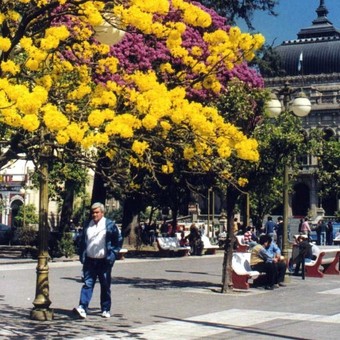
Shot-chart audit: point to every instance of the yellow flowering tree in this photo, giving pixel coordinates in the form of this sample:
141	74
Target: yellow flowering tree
54	99
199	56
53	89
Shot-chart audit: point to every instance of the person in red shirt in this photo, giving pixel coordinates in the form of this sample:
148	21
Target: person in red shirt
249	236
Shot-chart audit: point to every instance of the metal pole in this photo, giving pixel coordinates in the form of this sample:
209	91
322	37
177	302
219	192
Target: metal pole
247	210
213	215
285	244
41	310
208	227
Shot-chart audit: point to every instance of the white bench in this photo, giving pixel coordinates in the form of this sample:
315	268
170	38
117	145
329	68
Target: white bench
122	253
241	270
240	245
336	241
208	248
327	262
171	246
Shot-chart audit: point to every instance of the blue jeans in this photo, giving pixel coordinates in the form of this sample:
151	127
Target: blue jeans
92	269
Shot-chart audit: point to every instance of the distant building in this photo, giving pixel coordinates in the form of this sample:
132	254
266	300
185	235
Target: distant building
15	190
312	62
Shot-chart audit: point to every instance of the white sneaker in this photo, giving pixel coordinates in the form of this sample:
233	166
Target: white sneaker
80	311
106	314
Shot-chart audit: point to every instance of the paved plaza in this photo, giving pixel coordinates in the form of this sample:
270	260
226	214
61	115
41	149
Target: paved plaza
169	298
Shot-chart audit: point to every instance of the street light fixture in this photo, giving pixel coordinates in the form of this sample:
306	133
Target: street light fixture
108	33
300	106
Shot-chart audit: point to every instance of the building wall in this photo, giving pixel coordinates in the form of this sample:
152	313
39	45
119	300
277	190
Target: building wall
324	93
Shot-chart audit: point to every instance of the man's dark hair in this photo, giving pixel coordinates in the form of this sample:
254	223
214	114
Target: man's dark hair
264	239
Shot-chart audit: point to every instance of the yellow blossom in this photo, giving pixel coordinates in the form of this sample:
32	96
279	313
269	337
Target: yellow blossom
10	67
30	122
188	153
53	118
168	168
5	44
139	147
62	137
242	181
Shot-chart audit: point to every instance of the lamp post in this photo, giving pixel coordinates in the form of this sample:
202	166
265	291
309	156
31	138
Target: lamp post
247	219
300	106
42	302
208	228
211	211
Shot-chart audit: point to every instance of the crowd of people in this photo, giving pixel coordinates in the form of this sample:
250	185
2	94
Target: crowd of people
101	241
265	245
147	233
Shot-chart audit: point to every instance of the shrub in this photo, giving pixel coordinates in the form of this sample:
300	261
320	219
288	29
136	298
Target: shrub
66	245
26	235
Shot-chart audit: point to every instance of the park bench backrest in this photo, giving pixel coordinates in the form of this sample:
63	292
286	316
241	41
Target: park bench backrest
206	241
329	255
241	263
240	239
168	243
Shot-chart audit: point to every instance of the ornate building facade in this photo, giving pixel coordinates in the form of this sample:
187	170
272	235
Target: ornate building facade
312	63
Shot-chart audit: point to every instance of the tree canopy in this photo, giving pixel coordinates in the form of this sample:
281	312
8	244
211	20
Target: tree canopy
63	91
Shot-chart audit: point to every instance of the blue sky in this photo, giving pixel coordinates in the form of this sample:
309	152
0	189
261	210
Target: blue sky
292	16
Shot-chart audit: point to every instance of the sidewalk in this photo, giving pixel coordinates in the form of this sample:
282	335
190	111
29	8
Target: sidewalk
13	255
171	299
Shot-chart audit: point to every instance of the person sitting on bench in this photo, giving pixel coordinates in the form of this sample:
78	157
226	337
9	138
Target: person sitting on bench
262	262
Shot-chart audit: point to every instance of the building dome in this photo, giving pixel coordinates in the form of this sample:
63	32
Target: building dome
315	51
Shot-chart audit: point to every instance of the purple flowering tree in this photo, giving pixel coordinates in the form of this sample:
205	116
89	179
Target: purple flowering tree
142	52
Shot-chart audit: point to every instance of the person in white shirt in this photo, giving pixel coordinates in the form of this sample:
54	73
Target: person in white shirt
99	248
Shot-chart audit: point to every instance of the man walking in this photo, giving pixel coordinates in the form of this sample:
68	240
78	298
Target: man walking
99	248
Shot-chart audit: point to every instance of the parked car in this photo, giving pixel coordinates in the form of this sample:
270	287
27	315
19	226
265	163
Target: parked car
6	233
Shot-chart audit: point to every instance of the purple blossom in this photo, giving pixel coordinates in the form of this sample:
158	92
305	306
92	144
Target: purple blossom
145	52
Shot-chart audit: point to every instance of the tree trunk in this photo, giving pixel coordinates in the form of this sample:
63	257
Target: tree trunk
67	207
131	208
227	280
174	211
99	189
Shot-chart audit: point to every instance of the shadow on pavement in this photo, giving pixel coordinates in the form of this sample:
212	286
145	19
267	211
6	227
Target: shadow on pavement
16	323
154	283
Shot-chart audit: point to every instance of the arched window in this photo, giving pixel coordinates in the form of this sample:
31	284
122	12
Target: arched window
15	206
